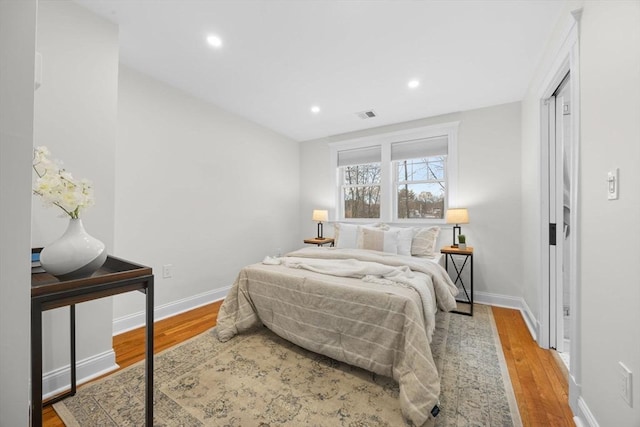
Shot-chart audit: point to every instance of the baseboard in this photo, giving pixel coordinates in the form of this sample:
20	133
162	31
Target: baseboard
507	301
497	300
137	320
584	415
59	380
532	323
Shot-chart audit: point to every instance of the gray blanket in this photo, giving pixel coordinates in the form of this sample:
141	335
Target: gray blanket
381	323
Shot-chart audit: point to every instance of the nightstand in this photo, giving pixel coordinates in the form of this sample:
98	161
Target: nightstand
319	242
466	257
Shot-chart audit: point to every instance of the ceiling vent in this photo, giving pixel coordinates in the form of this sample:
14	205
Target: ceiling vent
366	114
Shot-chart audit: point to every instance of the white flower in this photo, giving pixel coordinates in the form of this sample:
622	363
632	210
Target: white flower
57	187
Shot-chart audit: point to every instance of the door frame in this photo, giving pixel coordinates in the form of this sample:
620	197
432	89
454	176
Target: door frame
566	61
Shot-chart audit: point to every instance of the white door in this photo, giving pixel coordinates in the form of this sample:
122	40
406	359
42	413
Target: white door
560	144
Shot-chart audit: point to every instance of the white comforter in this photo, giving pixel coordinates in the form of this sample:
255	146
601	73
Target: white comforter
369	309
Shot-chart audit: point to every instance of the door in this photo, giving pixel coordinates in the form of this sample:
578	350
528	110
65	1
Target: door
560	188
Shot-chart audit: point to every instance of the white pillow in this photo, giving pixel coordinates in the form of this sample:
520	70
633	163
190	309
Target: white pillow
405	239
345	235
424	242
378	240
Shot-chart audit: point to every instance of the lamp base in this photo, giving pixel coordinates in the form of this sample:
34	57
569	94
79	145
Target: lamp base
454	244
320	231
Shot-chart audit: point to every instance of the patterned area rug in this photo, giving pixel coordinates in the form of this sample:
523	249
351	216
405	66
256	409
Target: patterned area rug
260	380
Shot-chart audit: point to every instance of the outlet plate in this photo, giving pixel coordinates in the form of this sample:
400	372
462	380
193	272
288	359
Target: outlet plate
167	271
626	383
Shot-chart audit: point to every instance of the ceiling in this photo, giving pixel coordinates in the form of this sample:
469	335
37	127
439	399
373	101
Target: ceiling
281	57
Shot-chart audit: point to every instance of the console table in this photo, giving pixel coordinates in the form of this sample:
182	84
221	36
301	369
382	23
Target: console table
116	276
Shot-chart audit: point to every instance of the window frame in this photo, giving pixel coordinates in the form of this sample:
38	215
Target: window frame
388	193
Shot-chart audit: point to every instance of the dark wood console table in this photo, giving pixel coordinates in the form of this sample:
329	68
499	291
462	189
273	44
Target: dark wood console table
116	276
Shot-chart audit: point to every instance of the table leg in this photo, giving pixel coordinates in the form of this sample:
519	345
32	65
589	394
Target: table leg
36	364
149	356
72	326
471	278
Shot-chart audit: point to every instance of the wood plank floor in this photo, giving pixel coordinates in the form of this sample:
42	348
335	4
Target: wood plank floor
539	380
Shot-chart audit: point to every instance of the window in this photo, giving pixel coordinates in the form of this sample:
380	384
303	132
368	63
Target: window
361	191
420	178
406	176
360	177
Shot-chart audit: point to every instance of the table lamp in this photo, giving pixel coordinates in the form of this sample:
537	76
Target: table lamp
320	216
457	216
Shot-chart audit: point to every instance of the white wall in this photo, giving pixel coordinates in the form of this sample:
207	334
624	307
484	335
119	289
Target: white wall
531	200
488	184
75	117
17	48
198	188
610	137
610	82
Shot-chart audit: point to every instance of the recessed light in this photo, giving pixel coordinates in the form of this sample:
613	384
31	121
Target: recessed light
214	41
413	84
315	109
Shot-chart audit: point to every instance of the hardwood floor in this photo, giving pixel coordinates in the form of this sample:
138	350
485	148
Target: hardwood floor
539	381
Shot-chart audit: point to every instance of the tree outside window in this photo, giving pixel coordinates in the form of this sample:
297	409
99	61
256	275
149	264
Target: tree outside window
421	187
361	190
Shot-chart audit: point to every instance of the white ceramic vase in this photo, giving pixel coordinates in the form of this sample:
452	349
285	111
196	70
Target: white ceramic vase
74	255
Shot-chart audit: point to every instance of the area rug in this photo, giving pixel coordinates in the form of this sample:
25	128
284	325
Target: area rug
261	380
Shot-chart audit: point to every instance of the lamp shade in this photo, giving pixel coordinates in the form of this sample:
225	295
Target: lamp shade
457	216
320	215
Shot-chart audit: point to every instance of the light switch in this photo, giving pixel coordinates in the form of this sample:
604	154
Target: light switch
612	184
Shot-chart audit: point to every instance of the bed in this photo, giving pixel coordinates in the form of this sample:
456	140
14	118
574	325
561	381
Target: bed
369	308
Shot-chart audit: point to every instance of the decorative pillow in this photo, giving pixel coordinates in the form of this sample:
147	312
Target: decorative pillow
405	239
424	242
345	235
378	240
379	226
